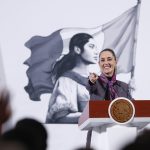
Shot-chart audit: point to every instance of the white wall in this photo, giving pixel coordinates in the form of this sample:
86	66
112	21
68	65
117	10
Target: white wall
22	19
2	74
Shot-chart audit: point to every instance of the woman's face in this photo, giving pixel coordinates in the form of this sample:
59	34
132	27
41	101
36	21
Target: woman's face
90	52
107	63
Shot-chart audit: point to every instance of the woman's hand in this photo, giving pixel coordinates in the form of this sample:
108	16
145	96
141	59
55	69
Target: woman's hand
93	77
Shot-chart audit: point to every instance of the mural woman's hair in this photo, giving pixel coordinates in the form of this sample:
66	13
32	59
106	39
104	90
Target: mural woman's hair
69	61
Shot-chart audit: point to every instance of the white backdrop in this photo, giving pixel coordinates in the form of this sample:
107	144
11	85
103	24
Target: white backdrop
22	19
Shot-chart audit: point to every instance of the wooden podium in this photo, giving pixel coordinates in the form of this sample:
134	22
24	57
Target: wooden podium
96	114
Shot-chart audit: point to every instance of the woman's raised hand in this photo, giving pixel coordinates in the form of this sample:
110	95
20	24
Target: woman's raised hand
93	77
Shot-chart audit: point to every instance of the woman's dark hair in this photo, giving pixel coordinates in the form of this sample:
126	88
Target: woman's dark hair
79	40
109	50
69	60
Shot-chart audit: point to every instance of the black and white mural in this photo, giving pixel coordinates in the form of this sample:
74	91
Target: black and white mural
46	76
60	63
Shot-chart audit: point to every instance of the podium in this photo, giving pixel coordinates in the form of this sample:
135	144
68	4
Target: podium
96	115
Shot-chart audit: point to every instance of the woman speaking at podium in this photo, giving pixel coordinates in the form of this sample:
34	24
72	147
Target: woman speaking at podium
105	86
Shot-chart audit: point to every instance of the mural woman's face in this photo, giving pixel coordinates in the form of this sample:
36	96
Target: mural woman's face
107	63
90	52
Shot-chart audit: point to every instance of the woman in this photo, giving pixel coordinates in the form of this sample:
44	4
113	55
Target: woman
105	86
70	76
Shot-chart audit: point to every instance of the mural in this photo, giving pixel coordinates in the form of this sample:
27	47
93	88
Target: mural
60	63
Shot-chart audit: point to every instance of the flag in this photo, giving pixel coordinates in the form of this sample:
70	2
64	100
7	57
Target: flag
121	36
118	34
45	53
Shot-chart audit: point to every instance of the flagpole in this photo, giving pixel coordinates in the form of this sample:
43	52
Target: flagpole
135	39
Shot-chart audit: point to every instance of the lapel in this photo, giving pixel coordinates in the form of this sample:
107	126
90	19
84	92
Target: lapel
120	89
